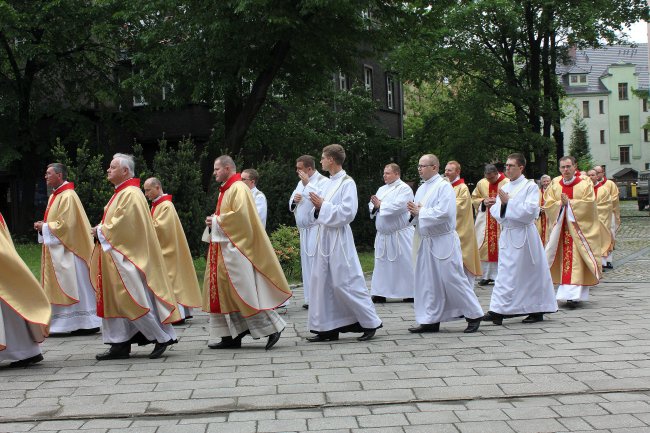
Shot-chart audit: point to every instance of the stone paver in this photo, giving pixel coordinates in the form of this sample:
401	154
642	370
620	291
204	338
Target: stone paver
580	370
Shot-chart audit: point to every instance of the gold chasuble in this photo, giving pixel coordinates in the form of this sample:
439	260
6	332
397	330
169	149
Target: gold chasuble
573	249
465	227
20	290
128	228
67	221
243	274
175	252
487	228
604	208
542	221
612	189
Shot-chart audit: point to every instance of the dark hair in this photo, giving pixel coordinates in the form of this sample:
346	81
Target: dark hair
521	159
336	152
307	161
59	169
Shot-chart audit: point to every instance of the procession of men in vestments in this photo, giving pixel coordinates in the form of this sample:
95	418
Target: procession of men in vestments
131	274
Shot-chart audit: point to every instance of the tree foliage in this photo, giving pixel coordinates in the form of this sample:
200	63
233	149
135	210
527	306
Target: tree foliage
579	144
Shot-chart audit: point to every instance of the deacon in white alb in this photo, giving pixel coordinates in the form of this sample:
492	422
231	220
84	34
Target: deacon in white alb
523	284
310	181
442	291
393	276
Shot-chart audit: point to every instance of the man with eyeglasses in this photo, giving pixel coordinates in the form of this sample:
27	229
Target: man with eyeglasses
574	243
250	177
442	291
487	228
615	224
523	285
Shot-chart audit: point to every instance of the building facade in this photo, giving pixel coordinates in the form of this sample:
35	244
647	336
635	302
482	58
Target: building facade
608	89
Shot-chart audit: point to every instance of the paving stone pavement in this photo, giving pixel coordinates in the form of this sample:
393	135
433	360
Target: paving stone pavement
580	370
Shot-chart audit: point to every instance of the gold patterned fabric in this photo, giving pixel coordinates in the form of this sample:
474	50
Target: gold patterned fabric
176	254
465	227
489	247
67	221
128	227
20	289
573	247
248	245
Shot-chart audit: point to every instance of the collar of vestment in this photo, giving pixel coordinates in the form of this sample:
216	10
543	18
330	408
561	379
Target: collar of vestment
61	188
519	179
338	175
314	175
159	200
432	178
224	187
134	181
572	182
501	177
458	181
578	174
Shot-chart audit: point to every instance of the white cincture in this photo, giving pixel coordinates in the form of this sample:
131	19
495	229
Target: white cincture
399	247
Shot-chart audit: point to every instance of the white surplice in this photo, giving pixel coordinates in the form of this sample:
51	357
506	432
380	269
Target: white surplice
523	284
338	293
260	204
307	228
16	335
442	291
117	330
393	276
73	273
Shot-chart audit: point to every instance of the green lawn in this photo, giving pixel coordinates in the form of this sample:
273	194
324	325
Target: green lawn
31	254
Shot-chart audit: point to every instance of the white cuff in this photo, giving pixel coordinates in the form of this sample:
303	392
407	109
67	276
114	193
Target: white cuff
218	235
48	238
106	246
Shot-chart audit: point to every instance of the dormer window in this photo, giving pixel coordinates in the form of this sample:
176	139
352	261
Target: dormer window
578	79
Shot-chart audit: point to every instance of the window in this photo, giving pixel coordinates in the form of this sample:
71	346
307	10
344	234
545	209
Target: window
343	81
645	135
624	154
645	105
624	124
367	78
578	79
622	91
602	136
585	109
601	107
390	92
647	165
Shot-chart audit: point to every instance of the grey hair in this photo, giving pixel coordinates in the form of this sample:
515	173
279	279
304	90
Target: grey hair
226	161
490	168
153	181
545	176
59	169
126	161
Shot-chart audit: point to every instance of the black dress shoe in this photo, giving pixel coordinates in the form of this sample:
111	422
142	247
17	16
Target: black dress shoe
324	336
367	335
160	348
495	318
273	338
533	318
472	325
27	361
89	331
609	265
180	322
571	305
117	351
378	299
227	343
409	300
483	282
426	327
305	306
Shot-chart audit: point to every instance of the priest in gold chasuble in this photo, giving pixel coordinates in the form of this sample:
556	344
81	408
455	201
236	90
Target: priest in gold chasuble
243	282
65	259
615	223
542	222
128	271
464	222
487	229
605	212
24	308
175	250
574	243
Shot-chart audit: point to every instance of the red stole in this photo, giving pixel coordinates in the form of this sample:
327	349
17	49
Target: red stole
213	251
134	181
567	240
55	193
542	221
164	197
492	226
458	182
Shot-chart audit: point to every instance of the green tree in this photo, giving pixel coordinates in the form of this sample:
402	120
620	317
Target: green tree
579	144
56	57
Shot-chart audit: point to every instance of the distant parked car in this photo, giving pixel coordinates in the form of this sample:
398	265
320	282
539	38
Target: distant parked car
642	189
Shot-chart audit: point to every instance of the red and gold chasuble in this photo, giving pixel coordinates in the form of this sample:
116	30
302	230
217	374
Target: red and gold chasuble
492	228
163	198
542	220
567	240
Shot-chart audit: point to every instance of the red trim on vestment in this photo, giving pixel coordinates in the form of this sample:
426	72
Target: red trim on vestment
491	225
164	197
2	221
55	193
458	182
